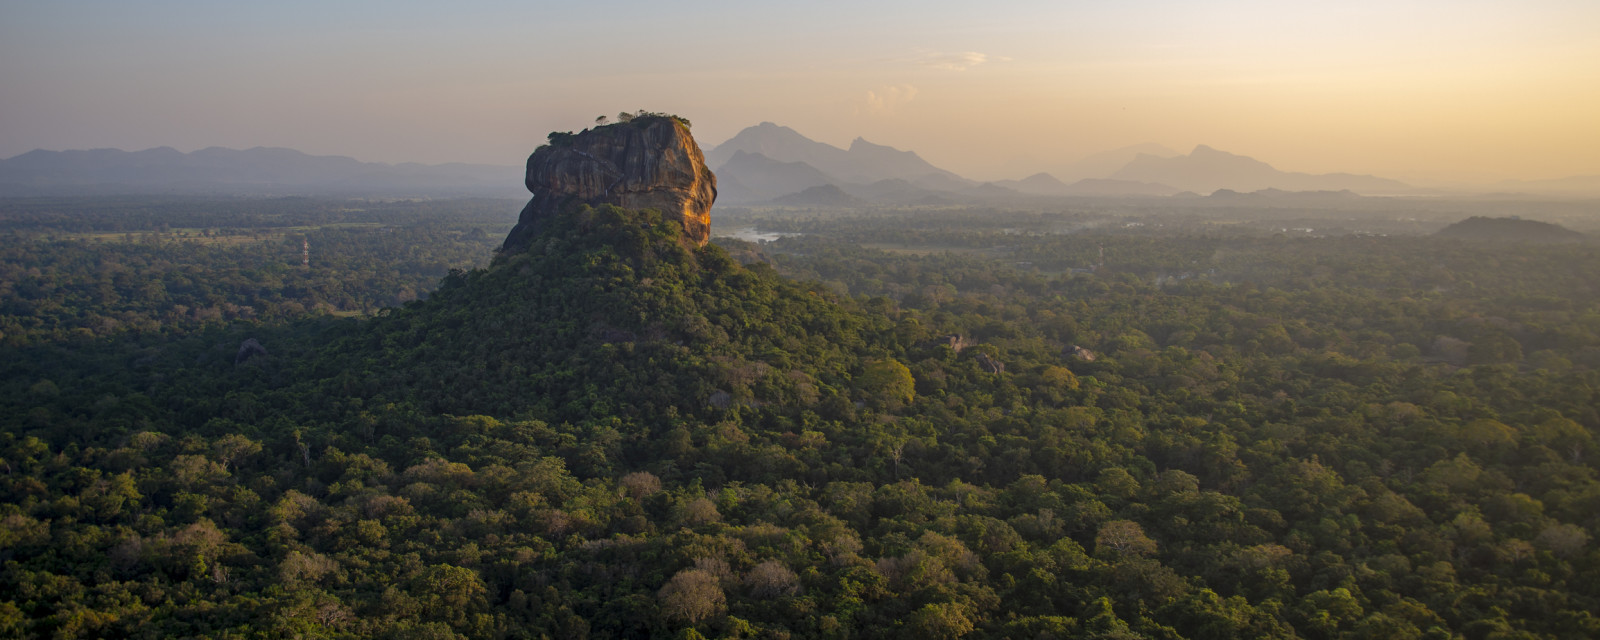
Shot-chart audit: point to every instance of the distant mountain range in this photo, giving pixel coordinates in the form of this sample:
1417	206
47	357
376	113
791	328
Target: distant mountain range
257	171
761	164
1101	165
753	177
1206	169
863	163
767	162
825	195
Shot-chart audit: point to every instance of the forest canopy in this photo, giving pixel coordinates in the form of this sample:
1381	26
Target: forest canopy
921	425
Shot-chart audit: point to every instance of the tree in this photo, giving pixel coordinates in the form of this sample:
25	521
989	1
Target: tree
700	511
691	596
771	579
888	383
940	621
298	568
1564	436
233	448
640	484
1060	378
1117	482
1564	540
1123	538
1489	437
451	592
1325	613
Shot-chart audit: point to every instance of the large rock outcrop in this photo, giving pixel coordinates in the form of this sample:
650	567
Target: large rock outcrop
650	162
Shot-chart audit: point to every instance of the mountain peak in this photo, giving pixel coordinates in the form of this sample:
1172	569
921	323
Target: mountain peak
862	145
769	130
864	162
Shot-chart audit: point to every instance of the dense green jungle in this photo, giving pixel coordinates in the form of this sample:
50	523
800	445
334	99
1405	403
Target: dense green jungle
315	418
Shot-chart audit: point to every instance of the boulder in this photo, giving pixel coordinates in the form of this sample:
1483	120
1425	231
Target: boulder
248	349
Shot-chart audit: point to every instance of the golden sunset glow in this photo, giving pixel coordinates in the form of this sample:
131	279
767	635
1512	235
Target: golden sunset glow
1419	90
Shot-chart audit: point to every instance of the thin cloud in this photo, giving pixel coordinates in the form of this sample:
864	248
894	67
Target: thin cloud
958	61
886	100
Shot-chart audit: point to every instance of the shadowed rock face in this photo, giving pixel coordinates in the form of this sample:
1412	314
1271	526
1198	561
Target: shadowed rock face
649	163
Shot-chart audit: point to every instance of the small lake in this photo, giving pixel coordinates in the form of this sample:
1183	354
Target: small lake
750	234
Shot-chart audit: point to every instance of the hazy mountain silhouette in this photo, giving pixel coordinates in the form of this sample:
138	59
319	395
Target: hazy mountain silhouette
758	164
943	182
777	142
1044	184
752	177
1105	163
257	171
1038	183
990	190
863	163
826	195
891	190
1106	187
1206	169
876	161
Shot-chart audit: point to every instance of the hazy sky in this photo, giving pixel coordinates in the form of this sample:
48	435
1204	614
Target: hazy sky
988	89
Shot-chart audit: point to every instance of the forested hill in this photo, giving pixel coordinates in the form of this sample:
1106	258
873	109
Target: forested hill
616	434
609	317
1509	230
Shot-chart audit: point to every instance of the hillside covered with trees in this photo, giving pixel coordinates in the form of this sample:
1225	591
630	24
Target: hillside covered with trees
966	430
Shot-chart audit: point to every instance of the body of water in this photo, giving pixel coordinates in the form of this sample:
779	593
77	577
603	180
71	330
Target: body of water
751	234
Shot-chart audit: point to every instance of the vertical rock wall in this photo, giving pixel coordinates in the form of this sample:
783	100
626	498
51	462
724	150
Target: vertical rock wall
649	163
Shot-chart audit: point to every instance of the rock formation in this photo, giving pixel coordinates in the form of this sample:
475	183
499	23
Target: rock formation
649	162
248	349
990	364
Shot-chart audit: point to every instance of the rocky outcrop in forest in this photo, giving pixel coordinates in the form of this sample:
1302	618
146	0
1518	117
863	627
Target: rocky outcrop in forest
650	162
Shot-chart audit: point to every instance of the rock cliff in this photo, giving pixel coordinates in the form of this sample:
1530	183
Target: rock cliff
650	162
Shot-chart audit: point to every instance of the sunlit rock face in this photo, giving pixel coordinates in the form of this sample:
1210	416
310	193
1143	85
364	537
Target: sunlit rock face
647	163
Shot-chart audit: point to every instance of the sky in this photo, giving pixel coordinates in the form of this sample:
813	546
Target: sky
1422	90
